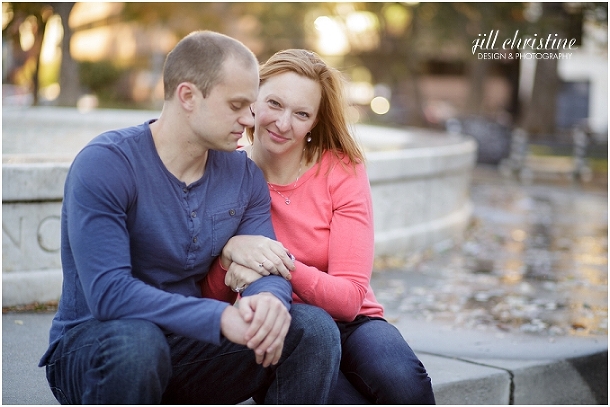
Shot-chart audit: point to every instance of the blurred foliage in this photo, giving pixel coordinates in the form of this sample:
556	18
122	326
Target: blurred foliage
101	78
411	39
36	16
271	25
49	72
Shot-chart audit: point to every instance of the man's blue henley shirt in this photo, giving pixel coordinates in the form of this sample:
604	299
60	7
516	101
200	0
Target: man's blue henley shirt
136	241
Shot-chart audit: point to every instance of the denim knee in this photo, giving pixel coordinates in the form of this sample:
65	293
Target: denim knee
383	367
136	360
318	326
307	372
137	343
111	362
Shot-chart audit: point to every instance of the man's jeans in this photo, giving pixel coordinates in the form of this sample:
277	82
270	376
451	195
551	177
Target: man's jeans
379	367
134	362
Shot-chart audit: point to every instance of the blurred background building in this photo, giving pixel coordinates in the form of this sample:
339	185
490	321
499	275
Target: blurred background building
408	63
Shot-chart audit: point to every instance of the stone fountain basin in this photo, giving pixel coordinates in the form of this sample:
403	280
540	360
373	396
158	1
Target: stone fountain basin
419	181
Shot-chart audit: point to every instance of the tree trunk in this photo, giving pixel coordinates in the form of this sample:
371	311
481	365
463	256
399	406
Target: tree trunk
69	83
478	75
539	117
36	51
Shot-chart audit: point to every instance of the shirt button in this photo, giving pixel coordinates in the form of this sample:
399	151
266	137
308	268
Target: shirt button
232	212
185	190
193	214
195	239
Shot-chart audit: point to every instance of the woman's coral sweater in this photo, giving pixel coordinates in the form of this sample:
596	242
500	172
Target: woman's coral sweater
328	227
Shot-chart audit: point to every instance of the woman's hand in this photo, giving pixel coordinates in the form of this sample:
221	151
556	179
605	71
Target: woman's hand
265	256
239	277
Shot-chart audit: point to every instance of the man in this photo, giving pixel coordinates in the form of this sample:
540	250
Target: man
146	212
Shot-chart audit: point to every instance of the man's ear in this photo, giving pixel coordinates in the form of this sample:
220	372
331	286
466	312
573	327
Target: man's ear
186	93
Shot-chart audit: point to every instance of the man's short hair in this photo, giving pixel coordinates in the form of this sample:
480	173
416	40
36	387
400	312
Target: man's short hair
198	58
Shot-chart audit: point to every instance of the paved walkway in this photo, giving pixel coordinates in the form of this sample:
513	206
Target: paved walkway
516	314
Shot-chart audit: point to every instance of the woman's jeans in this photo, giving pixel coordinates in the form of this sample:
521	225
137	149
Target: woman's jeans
134	362
379	367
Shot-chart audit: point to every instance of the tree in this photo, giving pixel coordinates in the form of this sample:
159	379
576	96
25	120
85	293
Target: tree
265	27
27	61
539	113
69	83
412	37
445	32
26	68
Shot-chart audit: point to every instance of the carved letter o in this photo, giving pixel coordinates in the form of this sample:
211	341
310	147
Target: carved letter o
49	234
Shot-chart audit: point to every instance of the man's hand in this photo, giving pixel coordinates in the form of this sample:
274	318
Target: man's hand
269	321
265	256
233	326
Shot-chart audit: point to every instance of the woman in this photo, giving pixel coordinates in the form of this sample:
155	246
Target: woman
322	213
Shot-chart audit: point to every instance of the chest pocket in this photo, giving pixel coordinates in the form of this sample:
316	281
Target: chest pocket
225	222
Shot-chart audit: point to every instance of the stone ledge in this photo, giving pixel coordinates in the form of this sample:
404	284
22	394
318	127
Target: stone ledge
458	382
25	287
33	182
581	380
421	162
470	366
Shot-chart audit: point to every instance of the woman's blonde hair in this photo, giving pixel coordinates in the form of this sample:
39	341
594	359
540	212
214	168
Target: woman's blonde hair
331	131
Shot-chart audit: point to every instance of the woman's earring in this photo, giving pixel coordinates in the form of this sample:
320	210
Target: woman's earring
309	137
251	111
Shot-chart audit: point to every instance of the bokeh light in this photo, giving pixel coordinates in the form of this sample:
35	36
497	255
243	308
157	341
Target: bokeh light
331	37
380	105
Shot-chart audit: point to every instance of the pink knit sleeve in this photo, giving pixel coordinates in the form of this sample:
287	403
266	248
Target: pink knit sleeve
342	289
